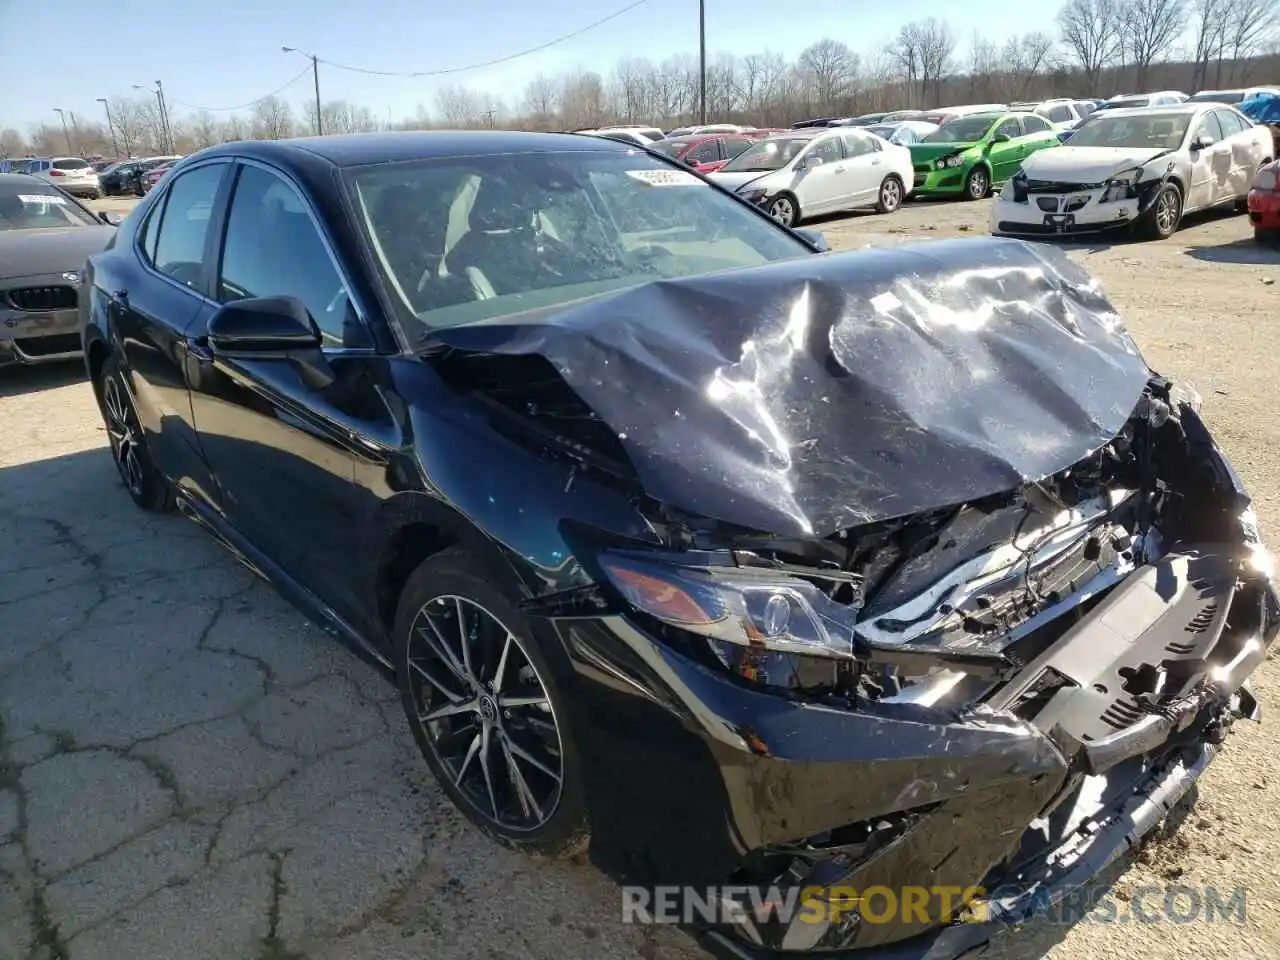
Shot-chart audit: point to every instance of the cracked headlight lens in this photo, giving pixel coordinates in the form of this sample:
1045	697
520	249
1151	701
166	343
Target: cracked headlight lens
1123	186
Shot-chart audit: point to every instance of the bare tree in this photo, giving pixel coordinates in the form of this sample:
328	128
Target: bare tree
339	116
130	117
829	70
984	63
1091	33
539	103
1247	26
1149	29
12	143
582	100
272	119
937	44
459	106
1025	58
1209	32
204	130
906	51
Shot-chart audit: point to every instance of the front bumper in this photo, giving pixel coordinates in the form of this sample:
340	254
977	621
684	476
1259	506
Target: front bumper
931	180
39	320
1264	209
692	775
1067	213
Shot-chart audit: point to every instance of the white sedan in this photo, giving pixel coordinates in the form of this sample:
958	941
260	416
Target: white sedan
813	171
1142	168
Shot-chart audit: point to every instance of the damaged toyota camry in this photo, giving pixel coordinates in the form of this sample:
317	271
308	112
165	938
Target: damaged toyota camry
739	566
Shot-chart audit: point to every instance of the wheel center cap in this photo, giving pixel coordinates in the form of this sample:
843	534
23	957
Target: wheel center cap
488	709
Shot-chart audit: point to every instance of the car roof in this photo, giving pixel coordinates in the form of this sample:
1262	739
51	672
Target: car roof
24	180
1166	108
358	149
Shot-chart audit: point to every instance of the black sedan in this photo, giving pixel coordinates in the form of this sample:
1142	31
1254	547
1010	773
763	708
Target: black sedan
46	236
738	566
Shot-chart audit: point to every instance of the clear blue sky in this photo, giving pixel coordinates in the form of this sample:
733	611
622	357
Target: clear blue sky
219	53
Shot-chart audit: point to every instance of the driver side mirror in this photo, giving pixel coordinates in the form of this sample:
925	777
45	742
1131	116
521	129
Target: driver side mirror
1202	142
815	238
1001	138
805	163
271	328
111	218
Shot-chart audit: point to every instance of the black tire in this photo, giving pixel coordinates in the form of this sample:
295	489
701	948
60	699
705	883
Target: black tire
785	208
891	194
97	195
1265	235
145	485
1161	219
977	184
560	831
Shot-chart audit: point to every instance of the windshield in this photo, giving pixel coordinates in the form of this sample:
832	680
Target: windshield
471	238
670	148
1158	131
772	154
34	204
963	129
1226	96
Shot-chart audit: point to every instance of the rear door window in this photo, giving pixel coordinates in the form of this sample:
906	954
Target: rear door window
708	152
70	163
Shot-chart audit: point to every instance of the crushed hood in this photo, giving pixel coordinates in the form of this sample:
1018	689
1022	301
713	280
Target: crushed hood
735	179
1068	164
924	152
815	394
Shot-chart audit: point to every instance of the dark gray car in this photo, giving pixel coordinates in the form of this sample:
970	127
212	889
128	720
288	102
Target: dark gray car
45	238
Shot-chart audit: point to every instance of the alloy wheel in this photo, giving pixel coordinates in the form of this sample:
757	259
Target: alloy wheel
1167	212
485	713
122	436
977	185
783	211
890	195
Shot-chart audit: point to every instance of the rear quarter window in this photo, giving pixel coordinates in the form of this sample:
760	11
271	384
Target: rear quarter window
70	163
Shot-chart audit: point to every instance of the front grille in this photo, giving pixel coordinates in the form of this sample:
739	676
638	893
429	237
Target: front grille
57	297
1055	186
923	168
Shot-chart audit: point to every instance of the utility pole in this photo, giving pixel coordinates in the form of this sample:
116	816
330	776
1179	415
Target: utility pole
164	118
111	127
60	113
76	130
315	77
702	61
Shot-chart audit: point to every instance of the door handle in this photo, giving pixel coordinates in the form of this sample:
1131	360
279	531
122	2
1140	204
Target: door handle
875	162
198	348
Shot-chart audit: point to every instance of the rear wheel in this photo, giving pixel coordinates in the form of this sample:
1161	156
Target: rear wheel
977	184
145	484
1265	235
1163	216
890	198
483	701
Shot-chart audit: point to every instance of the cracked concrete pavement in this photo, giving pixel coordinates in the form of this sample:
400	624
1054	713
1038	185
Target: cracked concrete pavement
190	769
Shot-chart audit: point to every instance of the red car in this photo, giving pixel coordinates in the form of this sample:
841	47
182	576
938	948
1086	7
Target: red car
1264	203
152	176
706	152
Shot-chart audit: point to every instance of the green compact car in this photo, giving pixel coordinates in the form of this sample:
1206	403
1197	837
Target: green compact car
969	155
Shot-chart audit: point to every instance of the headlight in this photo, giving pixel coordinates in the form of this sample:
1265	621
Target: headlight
1123	186
751	195
1267	179
946	163
1006	192
763	609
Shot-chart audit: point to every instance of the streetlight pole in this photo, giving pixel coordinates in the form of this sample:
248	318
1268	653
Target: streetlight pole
111	127
76	130
60	113
315	76
702	61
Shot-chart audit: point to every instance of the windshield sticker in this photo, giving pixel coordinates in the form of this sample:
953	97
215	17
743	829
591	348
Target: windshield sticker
41	198
666	178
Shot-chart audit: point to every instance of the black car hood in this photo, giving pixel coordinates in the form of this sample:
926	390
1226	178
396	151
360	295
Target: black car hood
825	392
27	253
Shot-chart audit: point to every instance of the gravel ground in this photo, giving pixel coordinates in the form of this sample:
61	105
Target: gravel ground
189	769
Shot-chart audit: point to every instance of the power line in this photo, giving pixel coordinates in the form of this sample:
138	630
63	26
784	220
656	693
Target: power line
242	106
487	63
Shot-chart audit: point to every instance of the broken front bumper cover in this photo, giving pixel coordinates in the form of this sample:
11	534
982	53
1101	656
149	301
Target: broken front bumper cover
1079	786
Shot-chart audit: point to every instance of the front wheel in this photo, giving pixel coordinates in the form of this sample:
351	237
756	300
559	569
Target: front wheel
146	485
1163	216
484	705
785	209
890	197
977	184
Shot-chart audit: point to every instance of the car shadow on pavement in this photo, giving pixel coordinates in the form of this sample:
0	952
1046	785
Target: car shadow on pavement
18	380
1245	251
190	768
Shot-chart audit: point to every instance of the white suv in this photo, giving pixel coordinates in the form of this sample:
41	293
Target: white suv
72	174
